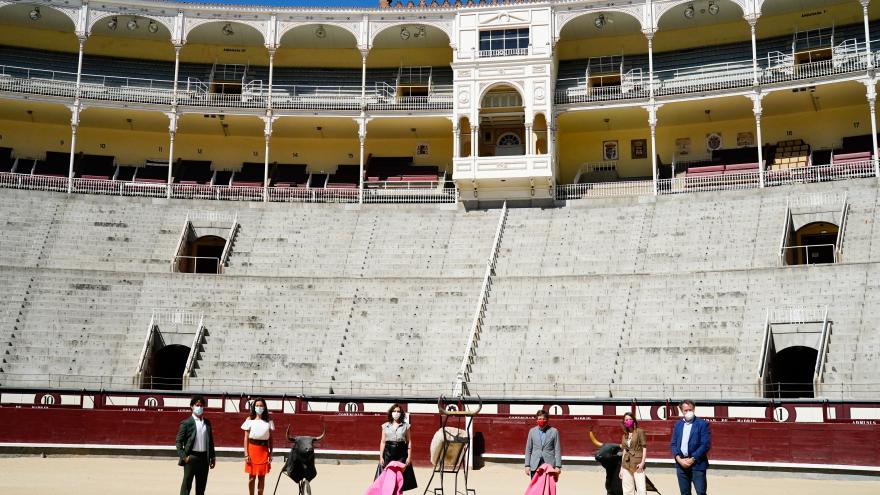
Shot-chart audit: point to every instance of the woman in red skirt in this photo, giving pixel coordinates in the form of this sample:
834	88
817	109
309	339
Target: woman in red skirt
257	444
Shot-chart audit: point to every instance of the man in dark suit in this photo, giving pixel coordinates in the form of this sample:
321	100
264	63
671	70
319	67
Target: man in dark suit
691	441
542	445
195	448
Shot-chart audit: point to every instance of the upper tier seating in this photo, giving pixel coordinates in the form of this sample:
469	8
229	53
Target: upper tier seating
193	172
56	164
289	175
95	167
251	174
157	173
346	176
6	160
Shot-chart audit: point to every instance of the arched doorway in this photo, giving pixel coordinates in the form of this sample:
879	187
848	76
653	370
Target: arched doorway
169	363
817	243
502	122
791	372
202	255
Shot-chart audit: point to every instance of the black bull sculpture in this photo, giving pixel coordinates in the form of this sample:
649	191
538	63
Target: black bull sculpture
609	455
300	464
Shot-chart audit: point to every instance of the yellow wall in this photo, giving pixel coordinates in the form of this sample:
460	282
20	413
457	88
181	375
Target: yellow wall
716	34
822	129
33	140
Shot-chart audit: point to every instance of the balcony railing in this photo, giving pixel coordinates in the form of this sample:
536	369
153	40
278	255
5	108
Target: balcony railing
379	192
721	182
503	52
776	67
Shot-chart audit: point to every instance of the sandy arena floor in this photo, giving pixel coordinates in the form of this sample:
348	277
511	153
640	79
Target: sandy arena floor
100	475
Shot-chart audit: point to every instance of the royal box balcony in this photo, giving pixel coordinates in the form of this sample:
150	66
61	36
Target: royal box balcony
502	167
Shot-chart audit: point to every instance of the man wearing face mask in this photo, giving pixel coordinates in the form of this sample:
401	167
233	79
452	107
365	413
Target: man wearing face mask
195	448
691	441
542	446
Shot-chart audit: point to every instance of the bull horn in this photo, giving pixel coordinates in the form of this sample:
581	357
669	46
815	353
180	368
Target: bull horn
593	439
287	434
323	432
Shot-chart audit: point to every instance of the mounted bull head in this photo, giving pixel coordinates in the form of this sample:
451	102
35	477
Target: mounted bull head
300	463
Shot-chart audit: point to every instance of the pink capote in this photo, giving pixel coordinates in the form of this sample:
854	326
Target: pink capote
544	481
390	482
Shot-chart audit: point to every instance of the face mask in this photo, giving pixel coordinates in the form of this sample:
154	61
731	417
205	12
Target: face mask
395	415
629	423
259	410
689	416
541	422
198	410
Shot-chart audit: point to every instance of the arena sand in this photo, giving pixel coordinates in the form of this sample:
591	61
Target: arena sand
161	476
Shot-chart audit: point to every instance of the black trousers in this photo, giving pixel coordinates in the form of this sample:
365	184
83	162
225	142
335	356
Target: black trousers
398	451
196	468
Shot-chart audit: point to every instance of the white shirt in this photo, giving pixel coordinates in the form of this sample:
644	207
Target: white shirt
259	429
685	437
201	444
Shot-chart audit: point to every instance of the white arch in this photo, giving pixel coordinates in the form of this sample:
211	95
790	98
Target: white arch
661	9
445	28
96	16
190	24
72	14
286	27
513	84
636	12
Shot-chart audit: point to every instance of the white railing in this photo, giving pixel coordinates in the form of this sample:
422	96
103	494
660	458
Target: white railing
394	195
822	357
782	68
604	189
503	52
148	344
841	230
211	260
806	250
765	355
224	257
720	182
461	380
786	233
194	351
709	77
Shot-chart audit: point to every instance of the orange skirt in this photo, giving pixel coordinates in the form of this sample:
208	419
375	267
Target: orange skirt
259	465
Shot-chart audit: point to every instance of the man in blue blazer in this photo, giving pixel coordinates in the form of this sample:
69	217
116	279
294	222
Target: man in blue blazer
691	441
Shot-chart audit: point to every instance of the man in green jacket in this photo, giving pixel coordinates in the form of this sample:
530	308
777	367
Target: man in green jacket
195	448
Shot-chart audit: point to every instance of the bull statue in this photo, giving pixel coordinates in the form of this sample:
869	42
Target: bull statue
300	464
609	455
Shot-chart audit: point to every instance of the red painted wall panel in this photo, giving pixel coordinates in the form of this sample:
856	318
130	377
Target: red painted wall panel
813	443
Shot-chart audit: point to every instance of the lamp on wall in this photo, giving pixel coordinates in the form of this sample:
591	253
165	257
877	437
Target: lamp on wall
35	14
404	33
112	23
320	32
420	32
599	21
714	8
227	29
153	27
132	24
689	12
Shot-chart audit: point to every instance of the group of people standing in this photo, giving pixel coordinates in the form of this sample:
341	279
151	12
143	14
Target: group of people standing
691	441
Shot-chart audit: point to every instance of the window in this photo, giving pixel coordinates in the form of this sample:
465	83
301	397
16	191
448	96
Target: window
504	42
509	140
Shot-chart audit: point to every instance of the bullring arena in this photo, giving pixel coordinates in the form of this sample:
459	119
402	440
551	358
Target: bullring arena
472	209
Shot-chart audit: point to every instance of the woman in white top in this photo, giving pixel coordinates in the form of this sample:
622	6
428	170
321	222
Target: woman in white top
257	444
396	445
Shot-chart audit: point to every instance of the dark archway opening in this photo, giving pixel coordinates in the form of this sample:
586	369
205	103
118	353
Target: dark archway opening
202	255
817	243
791	373
169	364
